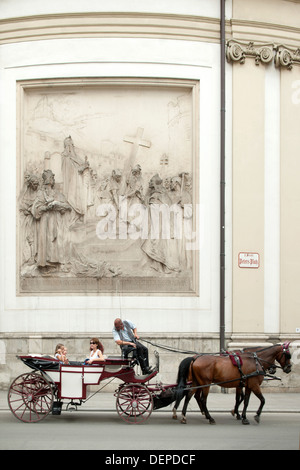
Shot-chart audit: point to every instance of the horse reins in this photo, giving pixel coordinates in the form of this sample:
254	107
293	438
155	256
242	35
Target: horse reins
252	355
285	351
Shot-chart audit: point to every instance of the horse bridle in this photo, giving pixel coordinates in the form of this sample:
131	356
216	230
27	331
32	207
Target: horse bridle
287	354
272	367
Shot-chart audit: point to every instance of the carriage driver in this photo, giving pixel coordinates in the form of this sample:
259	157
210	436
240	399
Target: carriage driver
125	335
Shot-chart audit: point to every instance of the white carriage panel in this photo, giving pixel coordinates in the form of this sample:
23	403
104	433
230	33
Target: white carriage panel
92	375
71	369
54	375
71	382
91	379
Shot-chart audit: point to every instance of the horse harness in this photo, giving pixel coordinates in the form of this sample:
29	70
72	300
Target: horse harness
237	361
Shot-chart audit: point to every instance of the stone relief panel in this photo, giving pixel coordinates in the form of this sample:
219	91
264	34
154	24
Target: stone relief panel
107	192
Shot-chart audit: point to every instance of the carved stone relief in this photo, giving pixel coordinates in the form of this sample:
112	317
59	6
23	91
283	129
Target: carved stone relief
284	56
106	200
238	51
287	57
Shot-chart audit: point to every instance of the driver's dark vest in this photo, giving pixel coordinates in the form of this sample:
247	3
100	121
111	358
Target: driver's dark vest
128	331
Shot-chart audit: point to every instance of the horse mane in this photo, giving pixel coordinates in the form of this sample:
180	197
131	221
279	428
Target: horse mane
261	349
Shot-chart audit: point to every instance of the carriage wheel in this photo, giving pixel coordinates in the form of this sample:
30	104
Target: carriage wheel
134	403
30	397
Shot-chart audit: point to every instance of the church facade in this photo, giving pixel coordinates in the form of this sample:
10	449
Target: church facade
150	158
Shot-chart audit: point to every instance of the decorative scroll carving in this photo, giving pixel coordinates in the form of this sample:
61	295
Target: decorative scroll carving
283	56
238	52
286	57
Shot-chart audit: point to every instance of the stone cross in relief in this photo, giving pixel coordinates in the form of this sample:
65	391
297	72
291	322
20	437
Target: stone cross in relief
137	141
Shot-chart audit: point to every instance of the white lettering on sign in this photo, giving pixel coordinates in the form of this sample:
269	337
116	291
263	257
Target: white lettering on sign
248	260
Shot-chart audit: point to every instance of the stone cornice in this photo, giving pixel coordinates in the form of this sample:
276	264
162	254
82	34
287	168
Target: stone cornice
264	32
266	45
109	24
282	56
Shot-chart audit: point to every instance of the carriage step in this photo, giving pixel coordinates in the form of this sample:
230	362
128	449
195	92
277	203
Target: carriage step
56	408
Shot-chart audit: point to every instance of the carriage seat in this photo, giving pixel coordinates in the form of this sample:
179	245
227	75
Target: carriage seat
131	355
113	357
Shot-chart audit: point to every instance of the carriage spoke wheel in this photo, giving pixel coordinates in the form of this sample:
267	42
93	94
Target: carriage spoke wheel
134	403
30	397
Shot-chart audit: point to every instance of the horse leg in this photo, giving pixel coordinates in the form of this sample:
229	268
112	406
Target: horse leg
186	402
198	400
262	402
203	399
239	397
175	408
246	403
177	403
182	376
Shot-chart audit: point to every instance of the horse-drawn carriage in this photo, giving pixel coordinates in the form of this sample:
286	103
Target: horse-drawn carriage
32	396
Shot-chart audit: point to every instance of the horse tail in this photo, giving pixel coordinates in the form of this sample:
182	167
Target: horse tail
182	376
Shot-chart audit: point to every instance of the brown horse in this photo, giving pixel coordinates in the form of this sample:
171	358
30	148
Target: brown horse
182	390
207	370
239	393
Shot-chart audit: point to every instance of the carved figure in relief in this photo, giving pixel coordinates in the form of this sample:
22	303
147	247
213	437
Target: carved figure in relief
134	198
134	189
48	209
75	186
154	221
183	201
115	187
28	222
159	245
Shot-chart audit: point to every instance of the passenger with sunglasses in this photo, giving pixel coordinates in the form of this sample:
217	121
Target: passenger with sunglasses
97	350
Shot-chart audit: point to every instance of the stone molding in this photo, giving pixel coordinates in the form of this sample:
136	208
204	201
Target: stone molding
283	56
141	24
109	24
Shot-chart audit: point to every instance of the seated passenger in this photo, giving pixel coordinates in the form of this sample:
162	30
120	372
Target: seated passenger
61	354
97	350
65	352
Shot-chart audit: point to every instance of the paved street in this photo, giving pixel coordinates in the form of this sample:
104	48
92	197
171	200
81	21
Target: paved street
105	431
90	428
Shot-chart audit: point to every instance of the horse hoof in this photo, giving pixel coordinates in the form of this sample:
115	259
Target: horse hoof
212	421
257	418
245	421
232	412
174	417
183	421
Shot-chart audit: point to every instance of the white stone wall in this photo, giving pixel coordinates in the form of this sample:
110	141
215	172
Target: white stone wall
169	40
34	318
